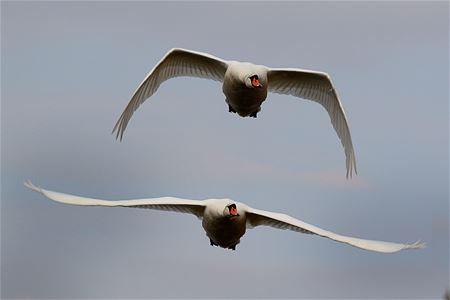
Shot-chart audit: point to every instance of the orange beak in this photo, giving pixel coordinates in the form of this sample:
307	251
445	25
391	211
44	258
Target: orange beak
233	211
255	82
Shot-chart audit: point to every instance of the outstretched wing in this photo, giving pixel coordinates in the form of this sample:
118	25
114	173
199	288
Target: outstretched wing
194	207
177	62
318	87
256	217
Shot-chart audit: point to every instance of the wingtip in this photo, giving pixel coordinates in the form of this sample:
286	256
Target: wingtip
31	186
118	133
119	128
417	245
349	175
350	172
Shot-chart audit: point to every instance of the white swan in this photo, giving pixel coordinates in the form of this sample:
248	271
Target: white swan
225	221
245	86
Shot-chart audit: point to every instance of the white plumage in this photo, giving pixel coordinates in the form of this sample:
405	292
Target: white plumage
245	86
225	221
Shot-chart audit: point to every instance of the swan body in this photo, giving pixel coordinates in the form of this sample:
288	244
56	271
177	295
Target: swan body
225	221
245	86
244	99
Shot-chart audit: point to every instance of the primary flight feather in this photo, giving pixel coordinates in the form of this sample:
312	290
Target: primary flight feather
245	86
225	221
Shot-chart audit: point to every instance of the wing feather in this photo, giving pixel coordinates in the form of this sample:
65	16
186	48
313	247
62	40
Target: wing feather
256	217
195	207
318	87
177	62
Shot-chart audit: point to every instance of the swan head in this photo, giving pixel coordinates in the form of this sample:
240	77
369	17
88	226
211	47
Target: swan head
253	81
253	76
230	211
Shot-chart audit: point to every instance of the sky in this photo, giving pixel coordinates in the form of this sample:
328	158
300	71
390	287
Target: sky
68	69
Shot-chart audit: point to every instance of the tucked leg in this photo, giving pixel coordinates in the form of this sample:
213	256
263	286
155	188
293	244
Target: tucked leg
230	109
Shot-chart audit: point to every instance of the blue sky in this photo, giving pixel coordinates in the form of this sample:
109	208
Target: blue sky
68	70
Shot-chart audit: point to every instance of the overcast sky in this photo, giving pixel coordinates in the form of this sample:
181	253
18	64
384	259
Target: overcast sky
68	70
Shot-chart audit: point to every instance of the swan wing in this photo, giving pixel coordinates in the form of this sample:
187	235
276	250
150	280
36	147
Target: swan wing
195	207
177	62
318	87
256	217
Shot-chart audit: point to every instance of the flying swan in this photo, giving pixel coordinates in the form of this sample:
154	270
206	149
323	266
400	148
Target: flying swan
245	86
225	221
